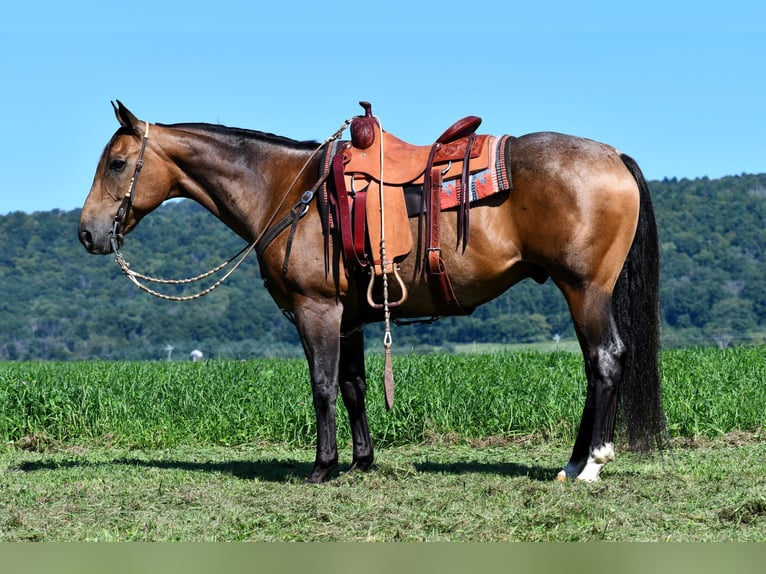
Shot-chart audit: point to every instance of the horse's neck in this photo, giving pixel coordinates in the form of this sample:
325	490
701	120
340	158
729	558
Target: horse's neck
244	184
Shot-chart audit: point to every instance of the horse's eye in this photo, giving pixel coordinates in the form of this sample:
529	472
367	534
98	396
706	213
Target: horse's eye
117	165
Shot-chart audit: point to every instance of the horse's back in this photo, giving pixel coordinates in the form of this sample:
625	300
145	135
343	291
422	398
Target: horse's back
551	156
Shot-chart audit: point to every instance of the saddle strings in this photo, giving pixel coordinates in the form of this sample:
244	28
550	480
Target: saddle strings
136	277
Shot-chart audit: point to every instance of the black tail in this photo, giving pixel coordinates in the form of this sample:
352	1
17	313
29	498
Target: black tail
636	309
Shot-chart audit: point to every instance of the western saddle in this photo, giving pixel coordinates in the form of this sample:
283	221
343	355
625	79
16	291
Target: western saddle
370	174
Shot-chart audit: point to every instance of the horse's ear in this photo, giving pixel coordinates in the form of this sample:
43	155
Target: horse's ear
126	117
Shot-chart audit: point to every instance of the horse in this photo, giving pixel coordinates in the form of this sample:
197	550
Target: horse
579	213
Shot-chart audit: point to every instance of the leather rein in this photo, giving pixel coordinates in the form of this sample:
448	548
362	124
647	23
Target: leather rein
270	232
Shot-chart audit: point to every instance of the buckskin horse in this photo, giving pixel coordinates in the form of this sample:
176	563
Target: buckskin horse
578	212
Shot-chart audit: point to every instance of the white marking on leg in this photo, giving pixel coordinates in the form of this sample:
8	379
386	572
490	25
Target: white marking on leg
571	470
596	461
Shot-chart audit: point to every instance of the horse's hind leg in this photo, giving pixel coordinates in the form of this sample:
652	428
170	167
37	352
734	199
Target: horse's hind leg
603	352
353	388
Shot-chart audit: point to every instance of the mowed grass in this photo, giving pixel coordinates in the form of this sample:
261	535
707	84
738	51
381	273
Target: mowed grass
712	491
220	451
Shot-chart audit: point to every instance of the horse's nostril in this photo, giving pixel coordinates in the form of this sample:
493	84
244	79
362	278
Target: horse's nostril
86	238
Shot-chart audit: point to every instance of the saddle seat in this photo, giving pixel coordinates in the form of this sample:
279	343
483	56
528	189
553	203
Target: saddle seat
406	163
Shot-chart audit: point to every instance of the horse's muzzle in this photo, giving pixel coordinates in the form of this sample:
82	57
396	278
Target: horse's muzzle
99	244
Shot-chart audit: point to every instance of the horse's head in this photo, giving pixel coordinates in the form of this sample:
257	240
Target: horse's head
111	189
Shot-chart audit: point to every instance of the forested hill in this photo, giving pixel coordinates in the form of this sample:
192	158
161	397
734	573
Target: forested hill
58	302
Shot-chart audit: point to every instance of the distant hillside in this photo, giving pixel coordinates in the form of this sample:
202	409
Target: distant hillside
58	302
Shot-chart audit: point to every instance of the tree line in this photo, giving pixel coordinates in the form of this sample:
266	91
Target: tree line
58	302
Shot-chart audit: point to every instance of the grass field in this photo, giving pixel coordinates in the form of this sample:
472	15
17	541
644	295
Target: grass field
219	451
712	491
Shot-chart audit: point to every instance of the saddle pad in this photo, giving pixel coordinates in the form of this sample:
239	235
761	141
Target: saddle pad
494	179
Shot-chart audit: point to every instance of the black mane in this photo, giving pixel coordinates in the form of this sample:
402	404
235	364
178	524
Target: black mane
245	134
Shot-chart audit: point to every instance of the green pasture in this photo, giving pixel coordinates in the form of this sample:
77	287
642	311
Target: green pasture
219	451
707	393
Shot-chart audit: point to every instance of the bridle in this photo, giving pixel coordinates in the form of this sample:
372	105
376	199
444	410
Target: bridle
115	237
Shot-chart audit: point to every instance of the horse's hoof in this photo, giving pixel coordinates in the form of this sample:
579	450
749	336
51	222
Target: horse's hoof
569	472
363	464
320	474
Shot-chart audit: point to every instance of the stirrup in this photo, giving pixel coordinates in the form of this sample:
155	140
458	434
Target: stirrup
402	286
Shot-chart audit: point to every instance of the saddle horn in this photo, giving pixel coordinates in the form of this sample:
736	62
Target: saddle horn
363	128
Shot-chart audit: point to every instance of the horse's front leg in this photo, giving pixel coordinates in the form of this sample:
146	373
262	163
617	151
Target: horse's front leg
353	388
318	324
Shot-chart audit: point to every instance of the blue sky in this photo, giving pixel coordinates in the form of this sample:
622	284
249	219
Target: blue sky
678	87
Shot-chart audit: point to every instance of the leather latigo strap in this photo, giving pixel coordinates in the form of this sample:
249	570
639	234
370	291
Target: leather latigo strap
352	232
434	263
436	276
